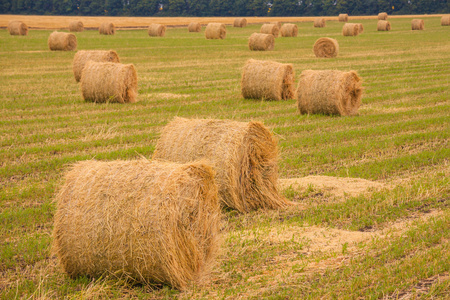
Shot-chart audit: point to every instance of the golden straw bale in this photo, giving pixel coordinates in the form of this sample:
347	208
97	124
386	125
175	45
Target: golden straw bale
270	29
360	27
289	30
278	23
417	24
343	17
156	30
107	29
216	31
76	26
319	22
240	22
261	42
83	56
267	80
109	82
244	156
350	29
62	41
148	221
445	20
383	25
17	28
382	16
329	92
326	47
194	27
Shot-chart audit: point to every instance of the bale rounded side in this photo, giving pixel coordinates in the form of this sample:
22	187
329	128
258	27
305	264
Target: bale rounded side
107	29
17	28
270	29
240	22
319	22
350	29
194	27
83	56
156	30
62	41
261	42
417	24
289	30
216	31
326	47
382	16
445	20
343	17
383	25
76	26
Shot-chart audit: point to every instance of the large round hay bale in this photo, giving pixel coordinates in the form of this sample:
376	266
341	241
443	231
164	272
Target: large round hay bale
148	221
194	27
319	22
350	29
289	30
240	22
270	29
215	31
326	47
261	42
83	56
268	80
76	26
445	20
278	23
383	25
343	17
109	82
62	41
382	16
360	28
417	24
329	92
244	156
156	30
17	28
107	28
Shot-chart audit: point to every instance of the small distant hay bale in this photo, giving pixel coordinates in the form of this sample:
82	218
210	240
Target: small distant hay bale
350	29
326	47
445	20
382	16
343	17
194	27
156	30
243	154
289	30
319	22
107	29
76	26
278	23
329	92
109	82
62	41
145	221
383	25
360	27
267	80
270	29
216	31
83	56
17	28
261	42
240	22
417	24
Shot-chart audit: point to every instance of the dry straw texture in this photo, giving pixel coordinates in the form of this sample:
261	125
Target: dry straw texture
156	30
216	31
445	20
244	156
270	29
383	25
62	41
350	29
319	22
278	23
382	16
194	27
329	92
240	22
107	29
261	42
83	56
76	26
326	47
417	24
289	30
149	222
109	82
17	28
360	27
268	80
343	17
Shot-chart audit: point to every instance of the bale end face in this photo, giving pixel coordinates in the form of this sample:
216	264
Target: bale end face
326	48
17	28
383	25
417	24
445	20
156	30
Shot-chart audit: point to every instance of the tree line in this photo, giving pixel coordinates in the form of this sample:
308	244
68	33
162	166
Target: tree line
203	8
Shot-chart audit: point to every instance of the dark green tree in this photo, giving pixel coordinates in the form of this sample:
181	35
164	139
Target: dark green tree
177	7
285	8
143	7
113	7
199	8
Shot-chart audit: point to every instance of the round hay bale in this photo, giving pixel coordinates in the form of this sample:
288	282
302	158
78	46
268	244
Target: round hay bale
244	156
289	30
148	221
267	80
62	41
83	56
109	82
194	27
270	29
445	20
383	25
17	28
215	31
319	22
76	26
326	47
350	29
329	92
382	16
240	22
278	23
261	42
107	29
417	24
156	30
343	17
360	27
